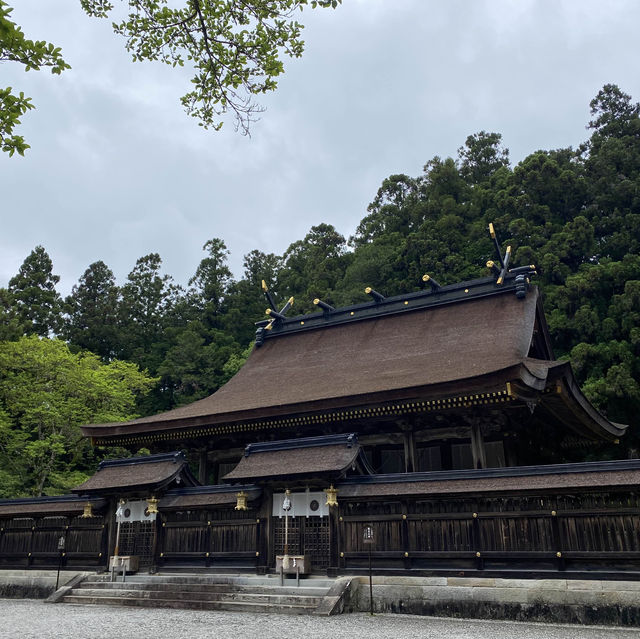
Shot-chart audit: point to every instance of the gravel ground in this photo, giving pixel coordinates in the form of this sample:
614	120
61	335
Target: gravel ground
33	619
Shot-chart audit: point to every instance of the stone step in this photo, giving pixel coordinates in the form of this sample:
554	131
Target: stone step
303	589
270	598
262	580
237	606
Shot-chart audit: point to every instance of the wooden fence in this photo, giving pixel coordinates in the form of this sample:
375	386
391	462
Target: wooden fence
32	542
579	532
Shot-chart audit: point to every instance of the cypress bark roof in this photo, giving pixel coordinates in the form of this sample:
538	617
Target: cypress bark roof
329	456
468	338
138	474
203	496
535	479
65	505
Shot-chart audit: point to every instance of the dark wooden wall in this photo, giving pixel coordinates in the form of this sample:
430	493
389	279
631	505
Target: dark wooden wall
211	538
32	542
594	534
570	532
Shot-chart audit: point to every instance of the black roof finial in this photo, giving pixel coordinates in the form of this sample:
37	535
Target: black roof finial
502	270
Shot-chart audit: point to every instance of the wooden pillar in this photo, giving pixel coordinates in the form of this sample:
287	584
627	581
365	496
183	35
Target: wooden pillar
110	522
264	530
510	454
203	468
409	451
446	458
334	541
477	446
216	472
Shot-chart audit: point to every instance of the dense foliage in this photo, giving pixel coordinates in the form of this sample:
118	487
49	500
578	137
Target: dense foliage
46	394
573	213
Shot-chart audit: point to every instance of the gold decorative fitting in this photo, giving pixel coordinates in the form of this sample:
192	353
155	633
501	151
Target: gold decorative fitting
301	323
163	524
264	286
207	554
404	516
368	290
426	278
342	554
99	554
162	554
332	496
478	554
475	515
508	249
553	513
257	554
558	554
406	554
492	231
406	302
351	313
241	503
208	523
28	554
152	506
466	290
268	311
340	518
88	511
490	264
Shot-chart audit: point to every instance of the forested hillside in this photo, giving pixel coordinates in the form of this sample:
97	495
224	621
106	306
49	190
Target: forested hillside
575	213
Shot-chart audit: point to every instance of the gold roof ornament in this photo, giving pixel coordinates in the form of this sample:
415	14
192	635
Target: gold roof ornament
88	511
332	496
152	506
241	501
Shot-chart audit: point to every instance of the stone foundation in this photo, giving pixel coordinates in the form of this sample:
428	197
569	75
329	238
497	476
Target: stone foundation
547	600
32	584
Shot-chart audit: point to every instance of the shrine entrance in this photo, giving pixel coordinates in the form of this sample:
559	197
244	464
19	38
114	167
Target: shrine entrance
308	527
137	531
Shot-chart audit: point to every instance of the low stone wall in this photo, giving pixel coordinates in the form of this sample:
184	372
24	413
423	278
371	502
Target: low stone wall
33	584
548	600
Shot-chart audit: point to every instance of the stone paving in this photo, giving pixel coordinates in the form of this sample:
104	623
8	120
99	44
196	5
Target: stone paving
34	619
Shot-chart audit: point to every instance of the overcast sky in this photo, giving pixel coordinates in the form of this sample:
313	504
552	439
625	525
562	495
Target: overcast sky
117	170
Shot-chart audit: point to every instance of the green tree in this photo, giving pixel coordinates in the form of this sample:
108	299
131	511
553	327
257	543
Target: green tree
38	305
32	54
210	282
314	266
147	299
92	312
46	394
11	327
481	156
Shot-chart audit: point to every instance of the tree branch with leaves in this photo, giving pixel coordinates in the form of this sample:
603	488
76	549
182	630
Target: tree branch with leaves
32	54
234	46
